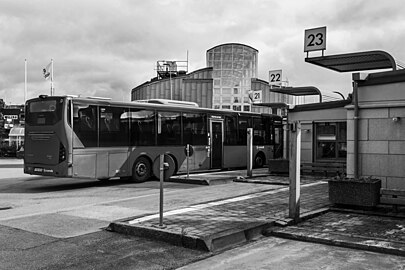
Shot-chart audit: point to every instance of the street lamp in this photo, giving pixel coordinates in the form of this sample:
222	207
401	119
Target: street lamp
168	68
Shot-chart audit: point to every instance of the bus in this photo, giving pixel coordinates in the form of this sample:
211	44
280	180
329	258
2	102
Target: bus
67	136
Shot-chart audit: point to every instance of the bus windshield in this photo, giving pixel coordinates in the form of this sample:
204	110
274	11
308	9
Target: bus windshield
44	112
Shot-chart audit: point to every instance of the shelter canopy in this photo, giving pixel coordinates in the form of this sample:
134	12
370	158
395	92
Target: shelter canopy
299	91
359	61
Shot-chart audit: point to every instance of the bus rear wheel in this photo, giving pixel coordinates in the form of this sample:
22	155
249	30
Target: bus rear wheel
142	170
259	160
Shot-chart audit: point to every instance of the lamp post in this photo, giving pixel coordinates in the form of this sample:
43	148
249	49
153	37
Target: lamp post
168	68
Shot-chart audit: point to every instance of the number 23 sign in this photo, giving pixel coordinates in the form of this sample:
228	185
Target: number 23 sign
315	39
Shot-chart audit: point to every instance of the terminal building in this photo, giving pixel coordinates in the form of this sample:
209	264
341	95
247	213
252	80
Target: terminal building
225	83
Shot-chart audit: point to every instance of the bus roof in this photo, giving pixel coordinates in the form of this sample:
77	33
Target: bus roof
156	105
168	102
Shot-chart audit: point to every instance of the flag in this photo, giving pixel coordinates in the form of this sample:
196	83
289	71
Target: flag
47	71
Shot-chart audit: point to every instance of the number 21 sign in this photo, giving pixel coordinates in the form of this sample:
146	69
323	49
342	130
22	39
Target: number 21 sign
315	39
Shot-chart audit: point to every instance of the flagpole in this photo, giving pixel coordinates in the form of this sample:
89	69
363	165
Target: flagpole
52	90
25	80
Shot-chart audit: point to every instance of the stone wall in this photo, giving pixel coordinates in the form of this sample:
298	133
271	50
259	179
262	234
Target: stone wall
381	130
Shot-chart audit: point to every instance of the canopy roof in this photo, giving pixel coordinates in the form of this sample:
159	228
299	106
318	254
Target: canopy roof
299	91
355	61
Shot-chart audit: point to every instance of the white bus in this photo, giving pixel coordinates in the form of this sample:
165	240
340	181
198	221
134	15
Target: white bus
97	138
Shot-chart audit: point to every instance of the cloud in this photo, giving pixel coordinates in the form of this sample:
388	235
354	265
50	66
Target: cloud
106	48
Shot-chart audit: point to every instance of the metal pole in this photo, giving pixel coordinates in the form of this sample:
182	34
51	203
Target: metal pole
161	170
249	151
170	80
295	174
188	155
52	90
25	81
356	131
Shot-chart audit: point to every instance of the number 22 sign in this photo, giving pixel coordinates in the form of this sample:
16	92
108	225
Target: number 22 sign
315	39
275	77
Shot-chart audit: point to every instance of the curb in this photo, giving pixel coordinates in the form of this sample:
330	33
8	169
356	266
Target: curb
212	243
261	182
200	181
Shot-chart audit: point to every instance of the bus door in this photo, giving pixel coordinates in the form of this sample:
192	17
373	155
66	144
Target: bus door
217	143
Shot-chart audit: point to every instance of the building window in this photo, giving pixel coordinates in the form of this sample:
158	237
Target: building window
331	143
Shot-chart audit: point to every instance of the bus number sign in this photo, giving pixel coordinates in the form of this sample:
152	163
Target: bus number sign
315	39
255	96
275	77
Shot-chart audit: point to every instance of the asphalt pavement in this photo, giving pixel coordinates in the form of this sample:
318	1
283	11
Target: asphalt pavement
202	230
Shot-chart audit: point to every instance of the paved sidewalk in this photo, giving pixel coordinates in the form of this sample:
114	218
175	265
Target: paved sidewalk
221	224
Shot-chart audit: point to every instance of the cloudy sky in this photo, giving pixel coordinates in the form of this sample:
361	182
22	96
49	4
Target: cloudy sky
105	48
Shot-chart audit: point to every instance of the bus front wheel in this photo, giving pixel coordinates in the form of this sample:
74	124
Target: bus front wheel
141	170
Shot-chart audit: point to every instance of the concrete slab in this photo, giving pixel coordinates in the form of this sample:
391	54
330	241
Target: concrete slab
56	225
376	233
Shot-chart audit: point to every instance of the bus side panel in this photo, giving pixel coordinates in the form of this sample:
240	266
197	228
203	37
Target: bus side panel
199	160
268	151
102	165
84	165
118	164
235	156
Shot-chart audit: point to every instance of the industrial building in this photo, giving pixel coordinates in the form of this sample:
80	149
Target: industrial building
225	83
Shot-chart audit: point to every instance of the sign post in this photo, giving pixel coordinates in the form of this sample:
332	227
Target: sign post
295	176
161	176
249	151
188	156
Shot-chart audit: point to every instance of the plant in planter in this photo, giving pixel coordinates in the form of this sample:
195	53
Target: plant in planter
357	192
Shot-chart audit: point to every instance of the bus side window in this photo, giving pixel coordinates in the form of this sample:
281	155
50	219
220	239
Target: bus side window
194	131
230	130
170	128
142	127
113	126
85	124
86	120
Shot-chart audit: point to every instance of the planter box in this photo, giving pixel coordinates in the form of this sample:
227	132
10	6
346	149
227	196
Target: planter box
278	165
355	192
